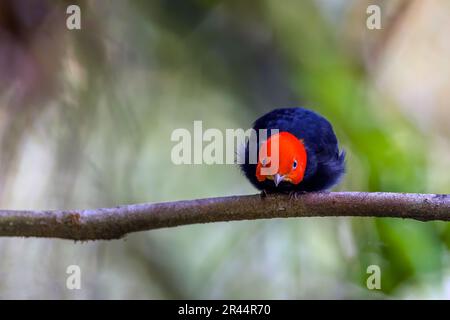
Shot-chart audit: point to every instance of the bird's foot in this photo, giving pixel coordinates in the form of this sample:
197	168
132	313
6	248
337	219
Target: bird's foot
263	194
294	195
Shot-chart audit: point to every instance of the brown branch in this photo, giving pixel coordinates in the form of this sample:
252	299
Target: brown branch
114	223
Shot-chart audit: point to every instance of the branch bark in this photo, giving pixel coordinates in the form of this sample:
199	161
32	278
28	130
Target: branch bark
114	223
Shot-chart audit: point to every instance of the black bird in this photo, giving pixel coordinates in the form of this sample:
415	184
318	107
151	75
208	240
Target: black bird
308	157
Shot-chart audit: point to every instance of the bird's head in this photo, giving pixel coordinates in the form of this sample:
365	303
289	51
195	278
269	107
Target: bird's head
282	157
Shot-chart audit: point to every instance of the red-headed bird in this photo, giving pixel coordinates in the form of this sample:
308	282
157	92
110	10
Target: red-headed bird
308	157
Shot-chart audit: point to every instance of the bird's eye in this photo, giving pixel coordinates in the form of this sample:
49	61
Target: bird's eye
294	165
264	162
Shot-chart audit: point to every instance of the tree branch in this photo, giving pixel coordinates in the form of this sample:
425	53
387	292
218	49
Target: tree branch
114	223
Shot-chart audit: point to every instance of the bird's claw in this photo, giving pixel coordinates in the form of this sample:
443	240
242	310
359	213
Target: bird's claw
294	195
263	194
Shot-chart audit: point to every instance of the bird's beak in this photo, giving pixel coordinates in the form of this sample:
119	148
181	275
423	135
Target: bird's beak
277	179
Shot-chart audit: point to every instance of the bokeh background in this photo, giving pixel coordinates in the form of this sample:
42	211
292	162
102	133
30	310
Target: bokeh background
86	118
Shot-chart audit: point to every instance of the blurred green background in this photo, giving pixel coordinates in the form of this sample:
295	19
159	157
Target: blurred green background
86	117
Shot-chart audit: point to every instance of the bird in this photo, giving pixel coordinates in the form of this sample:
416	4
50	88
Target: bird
308	157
